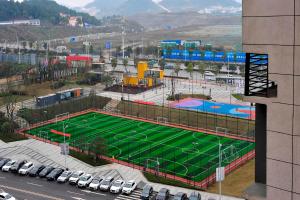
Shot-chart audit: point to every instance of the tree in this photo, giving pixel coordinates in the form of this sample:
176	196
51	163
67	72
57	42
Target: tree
201	67
125	63
162	63
177	68
114	63
98	147
10	102
190	70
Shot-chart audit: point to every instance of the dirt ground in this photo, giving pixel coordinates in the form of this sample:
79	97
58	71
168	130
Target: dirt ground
236	182
37	89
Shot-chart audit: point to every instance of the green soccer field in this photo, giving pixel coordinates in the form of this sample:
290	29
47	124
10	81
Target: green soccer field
176	151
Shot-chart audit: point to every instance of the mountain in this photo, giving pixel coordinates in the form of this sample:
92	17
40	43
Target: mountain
196	5
122	7
133	7
103	8
46	10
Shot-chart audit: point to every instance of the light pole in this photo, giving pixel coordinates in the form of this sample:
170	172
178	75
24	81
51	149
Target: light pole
65	147
220	165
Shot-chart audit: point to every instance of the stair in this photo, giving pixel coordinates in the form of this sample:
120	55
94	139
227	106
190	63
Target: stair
111	106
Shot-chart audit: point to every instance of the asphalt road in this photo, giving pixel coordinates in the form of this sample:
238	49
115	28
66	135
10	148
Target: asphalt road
28	188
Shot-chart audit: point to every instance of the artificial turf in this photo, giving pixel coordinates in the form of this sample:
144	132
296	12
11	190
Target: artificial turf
184	153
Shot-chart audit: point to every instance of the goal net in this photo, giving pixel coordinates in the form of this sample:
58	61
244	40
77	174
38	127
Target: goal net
43	135
152	164
229	154
221	131
116	111
63	116
162	120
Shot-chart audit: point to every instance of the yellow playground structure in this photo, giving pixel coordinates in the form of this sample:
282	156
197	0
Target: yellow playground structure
145	77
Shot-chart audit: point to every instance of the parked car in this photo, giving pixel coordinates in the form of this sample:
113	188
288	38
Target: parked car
147	192
54	174
117	186
195	196
85	180
64	177
17	165
6	196
180	196
3	161
129	187
73	180
45	171
163	194
94	185
106	183
8	165
24	170
36	170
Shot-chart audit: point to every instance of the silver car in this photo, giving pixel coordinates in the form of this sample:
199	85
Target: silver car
8	165
117	186
129	187
85	180
64	177
73	180
96	182
106	183
26	168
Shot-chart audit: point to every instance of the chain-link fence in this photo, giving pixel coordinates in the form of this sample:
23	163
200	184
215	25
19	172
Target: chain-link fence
195	119
39	114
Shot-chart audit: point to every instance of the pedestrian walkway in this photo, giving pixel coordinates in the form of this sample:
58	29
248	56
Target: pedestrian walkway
133	196
44	153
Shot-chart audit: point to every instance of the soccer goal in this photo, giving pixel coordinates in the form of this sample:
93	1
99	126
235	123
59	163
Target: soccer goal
153	164
43	135
221	131
229	154
116	111
63	116
162	120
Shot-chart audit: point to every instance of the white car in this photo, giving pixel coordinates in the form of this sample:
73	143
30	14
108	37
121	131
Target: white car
129	187
6	196
96	182
73	180
117	186
106	183
85	180
26	168
8	165
64	177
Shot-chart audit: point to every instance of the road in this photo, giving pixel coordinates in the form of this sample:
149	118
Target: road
27	188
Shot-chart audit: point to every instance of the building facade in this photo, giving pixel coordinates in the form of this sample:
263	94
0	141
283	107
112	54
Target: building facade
272	28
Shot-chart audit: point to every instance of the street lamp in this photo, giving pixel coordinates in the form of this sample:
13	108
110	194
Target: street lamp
64	132
220	165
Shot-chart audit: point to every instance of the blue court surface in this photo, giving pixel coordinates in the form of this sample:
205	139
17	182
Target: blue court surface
233	110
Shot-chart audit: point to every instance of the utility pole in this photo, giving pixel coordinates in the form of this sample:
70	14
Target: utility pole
19	53
123	43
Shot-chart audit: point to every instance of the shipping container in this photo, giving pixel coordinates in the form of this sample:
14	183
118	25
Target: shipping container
46	100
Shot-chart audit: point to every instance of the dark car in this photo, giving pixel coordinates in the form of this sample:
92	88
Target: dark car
15	168
147	192
180	196
54	174
45	171
195	196
36	170
3	162
163	194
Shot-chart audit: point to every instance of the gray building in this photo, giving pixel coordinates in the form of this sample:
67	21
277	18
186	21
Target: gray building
271	33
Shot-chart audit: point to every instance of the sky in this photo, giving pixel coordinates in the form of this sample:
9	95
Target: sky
79	3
